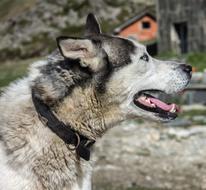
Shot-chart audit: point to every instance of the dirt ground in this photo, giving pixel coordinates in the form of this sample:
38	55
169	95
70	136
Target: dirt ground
150	156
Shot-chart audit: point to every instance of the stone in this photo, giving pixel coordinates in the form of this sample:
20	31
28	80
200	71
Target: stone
32	32
151	156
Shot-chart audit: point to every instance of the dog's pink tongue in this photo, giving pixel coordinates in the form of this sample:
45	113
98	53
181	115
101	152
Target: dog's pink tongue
161	104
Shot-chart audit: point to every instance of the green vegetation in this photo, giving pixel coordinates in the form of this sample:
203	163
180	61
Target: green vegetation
152	41
193	112
199	118
72	30
10	71
115	3
142	188
123	14
135	187
37	45
197	60
107	26
76	5
11	8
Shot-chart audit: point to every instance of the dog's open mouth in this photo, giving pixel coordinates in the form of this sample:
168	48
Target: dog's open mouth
146	101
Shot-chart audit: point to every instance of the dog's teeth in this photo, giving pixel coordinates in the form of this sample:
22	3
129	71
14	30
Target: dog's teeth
153	105
142	98
173	109
147	100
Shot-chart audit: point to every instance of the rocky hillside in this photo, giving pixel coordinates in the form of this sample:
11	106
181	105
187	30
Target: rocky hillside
28	27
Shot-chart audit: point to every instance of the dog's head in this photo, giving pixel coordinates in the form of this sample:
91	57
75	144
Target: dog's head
124	73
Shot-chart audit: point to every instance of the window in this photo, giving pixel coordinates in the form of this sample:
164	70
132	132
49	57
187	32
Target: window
145	25
182	33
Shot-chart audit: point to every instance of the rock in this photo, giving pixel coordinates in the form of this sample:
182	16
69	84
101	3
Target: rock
193	107
199	118
182	122
150	156
32	31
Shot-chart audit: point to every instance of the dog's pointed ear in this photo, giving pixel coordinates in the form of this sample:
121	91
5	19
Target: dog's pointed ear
84	50
92	26
75	48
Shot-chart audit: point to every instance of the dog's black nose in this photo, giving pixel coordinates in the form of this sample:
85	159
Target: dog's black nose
186	68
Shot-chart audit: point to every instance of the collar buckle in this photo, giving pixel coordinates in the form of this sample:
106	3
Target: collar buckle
74	147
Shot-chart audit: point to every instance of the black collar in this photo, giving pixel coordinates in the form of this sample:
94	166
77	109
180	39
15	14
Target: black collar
79	142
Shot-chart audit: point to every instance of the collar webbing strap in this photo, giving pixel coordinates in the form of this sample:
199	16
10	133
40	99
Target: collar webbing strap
81	143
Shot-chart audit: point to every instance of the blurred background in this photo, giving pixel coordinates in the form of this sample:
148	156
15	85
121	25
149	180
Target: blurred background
138	155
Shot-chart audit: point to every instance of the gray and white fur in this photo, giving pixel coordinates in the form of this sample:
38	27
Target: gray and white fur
88	82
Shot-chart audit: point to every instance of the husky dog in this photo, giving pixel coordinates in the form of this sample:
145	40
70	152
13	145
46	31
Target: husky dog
51	118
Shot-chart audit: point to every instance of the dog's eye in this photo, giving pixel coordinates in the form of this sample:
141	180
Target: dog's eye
145	57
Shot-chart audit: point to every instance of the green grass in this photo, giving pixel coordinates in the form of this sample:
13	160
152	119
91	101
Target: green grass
11	71
197	60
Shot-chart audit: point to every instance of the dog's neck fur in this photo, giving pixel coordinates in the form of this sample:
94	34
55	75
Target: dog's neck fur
88	112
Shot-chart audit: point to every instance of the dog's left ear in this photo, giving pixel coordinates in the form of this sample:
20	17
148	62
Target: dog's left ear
82	49
92	26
